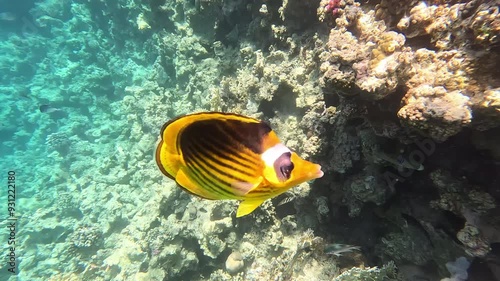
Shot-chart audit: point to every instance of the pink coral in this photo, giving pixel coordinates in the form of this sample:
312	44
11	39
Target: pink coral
333	7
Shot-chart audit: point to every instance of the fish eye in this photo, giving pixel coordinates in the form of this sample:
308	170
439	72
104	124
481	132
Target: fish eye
286	170
283	166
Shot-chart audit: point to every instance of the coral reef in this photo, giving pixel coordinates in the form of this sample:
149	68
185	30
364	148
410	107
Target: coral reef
397	100
387	272
85	237
234	262
58	142
375	63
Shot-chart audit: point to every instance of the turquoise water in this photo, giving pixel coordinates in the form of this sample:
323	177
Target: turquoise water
398	101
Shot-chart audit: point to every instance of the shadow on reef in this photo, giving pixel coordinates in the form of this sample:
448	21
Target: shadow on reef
425	214
16	15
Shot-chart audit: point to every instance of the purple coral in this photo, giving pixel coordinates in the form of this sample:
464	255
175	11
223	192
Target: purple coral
333	7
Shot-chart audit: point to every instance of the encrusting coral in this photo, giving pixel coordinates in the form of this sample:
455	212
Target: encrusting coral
443	89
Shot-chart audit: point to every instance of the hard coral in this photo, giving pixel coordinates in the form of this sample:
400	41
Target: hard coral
473	241
436	112
485	24
489	109
86	237
364	59
380	77
58	142
340	12
391	10
452	25
333	7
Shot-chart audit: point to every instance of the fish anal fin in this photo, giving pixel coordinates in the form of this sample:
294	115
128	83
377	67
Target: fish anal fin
248	206
185	183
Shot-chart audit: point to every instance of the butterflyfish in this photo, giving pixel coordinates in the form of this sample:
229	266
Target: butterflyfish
219	156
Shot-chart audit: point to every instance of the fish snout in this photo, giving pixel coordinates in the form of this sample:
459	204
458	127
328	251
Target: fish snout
317	173
312	171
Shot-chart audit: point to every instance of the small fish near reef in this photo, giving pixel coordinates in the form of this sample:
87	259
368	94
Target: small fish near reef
339	249
219	156
47	108
7	16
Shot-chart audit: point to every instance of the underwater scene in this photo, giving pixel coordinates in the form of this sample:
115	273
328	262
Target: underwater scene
250	140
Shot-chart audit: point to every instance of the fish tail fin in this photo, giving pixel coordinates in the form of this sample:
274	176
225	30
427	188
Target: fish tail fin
248	206
168	163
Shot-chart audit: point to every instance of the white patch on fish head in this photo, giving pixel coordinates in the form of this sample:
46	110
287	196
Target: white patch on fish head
271	154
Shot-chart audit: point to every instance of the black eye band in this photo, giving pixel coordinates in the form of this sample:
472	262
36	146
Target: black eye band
283	166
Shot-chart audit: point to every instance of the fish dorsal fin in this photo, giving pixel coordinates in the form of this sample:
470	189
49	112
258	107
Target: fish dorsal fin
184	182
248	206
243	188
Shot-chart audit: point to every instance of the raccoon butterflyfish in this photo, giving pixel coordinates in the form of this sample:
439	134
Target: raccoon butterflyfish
219	156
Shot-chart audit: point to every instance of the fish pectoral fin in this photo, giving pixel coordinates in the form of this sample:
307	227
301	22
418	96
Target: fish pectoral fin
185	183
242	188
248	206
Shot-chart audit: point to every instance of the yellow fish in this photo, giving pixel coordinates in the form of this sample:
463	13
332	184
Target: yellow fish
217	156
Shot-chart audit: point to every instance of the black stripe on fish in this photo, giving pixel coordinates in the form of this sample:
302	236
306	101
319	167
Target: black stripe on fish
222	150
214	152
218	138
263	189
232	132
193	156
230	153
229	170
249	135
202	180
215	165
197	171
